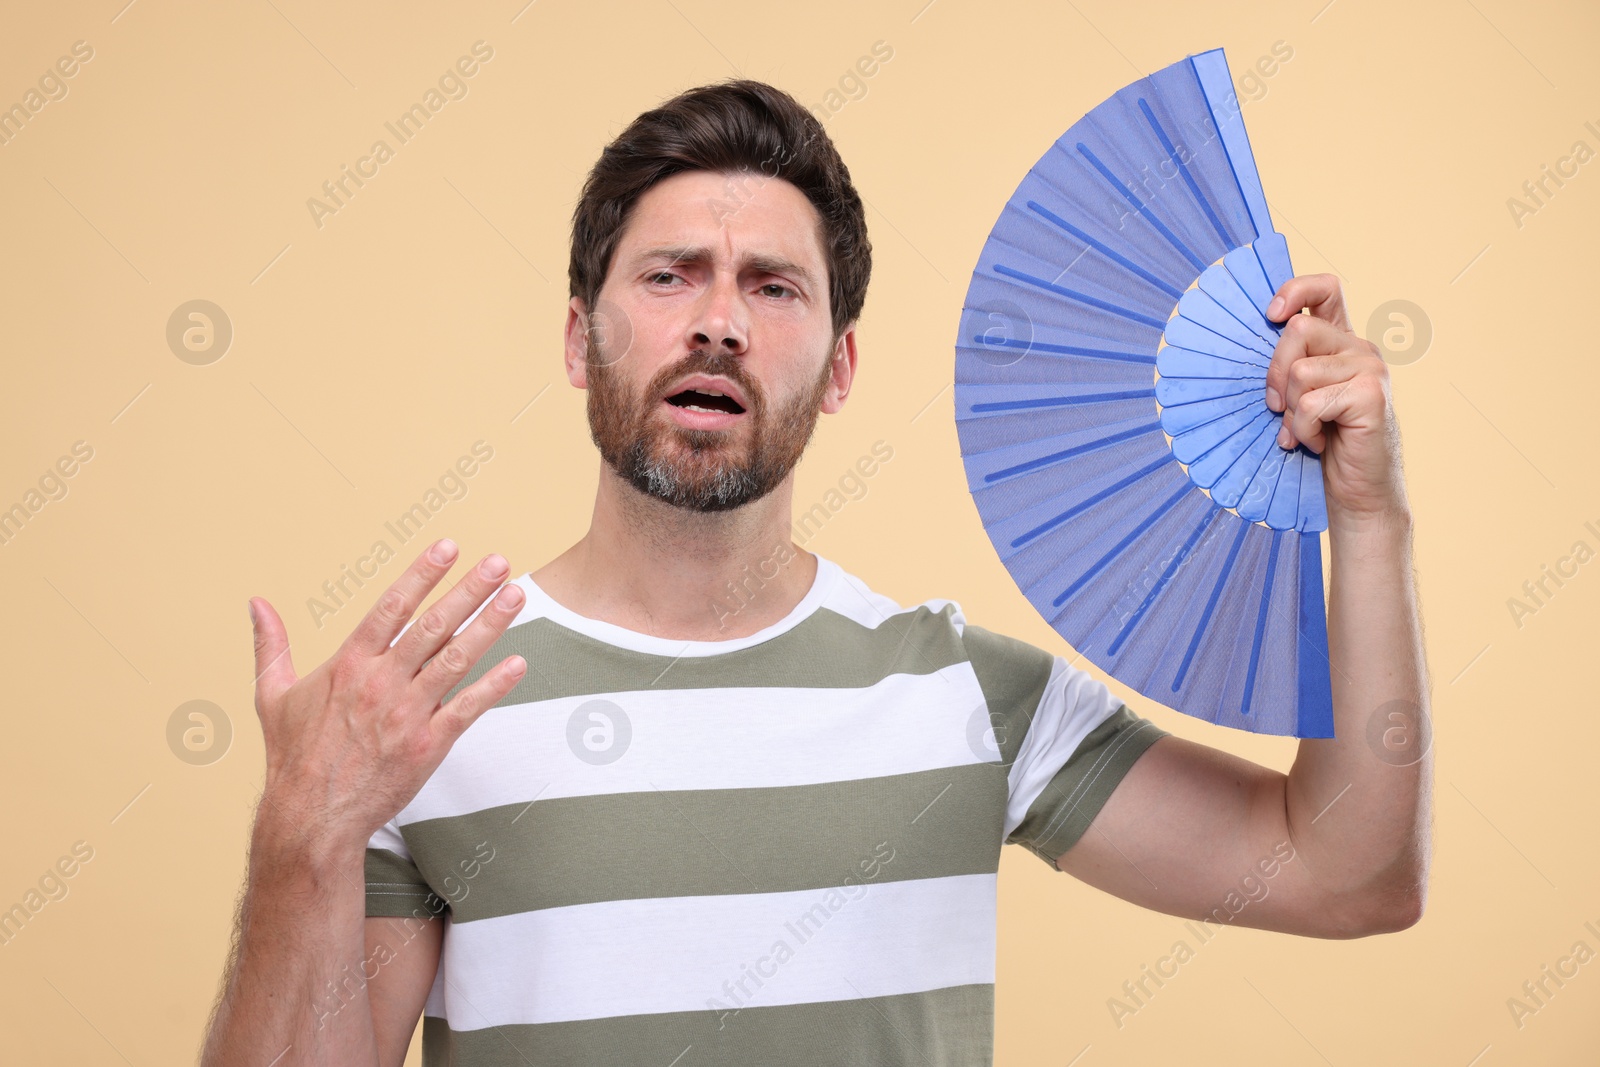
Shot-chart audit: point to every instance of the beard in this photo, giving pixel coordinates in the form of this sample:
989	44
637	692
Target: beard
698	470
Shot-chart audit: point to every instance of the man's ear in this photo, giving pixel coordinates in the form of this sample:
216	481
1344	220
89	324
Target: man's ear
842	364
575	353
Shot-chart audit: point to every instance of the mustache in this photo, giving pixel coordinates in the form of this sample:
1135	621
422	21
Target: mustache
717	365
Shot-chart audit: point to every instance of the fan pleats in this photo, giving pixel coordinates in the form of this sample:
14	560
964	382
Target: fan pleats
1110	403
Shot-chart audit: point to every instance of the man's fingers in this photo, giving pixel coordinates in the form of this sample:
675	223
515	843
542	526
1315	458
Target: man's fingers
1302	336
434	626
457	657
274	665
1320	406
1319	292
377	629
450	721
1319	372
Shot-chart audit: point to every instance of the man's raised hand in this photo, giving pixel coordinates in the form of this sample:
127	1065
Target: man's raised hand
351	743
1333	390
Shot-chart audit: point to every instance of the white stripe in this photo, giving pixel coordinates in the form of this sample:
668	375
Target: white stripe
858	602
542	605
388	836
1074	702
636	957
732	738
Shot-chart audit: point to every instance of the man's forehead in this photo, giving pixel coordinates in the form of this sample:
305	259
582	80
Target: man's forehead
752	217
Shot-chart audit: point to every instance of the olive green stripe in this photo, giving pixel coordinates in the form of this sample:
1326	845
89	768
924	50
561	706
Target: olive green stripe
1062	812
704	842
1013	675
952	1027
826	651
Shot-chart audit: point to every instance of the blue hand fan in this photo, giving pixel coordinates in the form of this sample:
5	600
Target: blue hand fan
1110	391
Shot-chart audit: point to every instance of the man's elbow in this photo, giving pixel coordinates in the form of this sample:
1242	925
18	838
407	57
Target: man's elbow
1383	913
1406	911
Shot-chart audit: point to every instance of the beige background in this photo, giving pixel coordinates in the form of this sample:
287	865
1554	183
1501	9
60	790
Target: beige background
369	353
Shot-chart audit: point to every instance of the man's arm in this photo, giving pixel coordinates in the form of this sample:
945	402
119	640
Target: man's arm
300	929
399	991
351	987
1198	832
347	747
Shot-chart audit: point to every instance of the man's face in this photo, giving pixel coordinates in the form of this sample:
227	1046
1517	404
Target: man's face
718	285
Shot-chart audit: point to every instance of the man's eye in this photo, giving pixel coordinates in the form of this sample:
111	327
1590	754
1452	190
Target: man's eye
658	275
775	285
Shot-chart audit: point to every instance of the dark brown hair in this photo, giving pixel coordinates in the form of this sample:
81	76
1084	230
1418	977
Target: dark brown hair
735	125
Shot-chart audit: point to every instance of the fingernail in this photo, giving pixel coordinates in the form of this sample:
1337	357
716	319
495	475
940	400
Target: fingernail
1283	437
444	551
1275	309
494	565
251	604
1274	399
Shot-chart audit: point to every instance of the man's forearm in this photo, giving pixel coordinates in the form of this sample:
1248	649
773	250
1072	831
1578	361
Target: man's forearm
300	933
1359	804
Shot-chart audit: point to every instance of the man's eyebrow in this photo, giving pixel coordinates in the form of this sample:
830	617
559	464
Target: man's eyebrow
700	254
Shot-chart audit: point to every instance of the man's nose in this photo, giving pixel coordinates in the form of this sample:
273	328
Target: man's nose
720	317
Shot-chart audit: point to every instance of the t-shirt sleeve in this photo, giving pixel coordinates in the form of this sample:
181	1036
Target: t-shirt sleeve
1064	738
395	887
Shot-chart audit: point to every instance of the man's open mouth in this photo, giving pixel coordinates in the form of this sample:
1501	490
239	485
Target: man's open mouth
703	400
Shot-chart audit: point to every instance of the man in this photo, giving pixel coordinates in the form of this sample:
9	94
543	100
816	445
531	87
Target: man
680	816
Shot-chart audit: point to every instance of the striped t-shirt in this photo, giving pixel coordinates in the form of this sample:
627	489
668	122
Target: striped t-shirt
779	849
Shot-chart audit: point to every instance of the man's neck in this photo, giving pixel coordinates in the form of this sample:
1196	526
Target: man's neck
683	575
